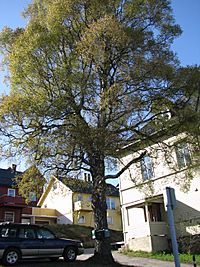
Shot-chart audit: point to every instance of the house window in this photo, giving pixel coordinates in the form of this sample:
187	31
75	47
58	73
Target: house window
81	220
79	197
147	168
55	185
9	216
26	220
32	196
90	198
11	192
109	220
183	155
87	177
110	203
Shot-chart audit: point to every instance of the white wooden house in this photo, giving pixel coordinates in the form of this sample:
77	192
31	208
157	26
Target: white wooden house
169	163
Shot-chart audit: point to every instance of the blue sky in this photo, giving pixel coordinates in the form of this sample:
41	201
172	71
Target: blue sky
186	14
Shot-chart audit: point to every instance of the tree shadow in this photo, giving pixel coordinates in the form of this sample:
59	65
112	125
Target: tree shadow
60	263
96	262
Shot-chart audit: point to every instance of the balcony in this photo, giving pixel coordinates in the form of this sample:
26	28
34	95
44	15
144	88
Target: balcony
112	212
82	205
16	201
44	212
158	228
144	229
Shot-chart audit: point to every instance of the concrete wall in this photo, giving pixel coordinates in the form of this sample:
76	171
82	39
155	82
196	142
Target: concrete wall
140	244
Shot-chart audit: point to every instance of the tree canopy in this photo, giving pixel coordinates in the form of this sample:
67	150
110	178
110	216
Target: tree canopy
86	76
30	184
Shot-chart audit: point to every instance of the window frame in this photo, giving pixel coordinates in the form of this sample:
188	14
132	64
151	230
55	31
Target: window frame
109	220
11	190
55	185
109	202
147	168
90	198
13	216
87	177
32	197
183	155
79	197
83	218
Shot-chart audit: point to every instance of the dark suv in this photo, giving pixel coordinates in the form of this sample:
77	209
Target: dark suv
21	241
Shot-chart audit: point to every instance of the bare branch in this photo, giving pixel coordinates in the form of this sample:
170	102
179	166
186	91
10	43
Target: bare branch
125	167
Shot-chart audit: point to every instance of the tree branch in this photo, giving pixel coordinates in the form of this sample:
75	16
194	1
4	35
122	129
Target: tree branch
125	167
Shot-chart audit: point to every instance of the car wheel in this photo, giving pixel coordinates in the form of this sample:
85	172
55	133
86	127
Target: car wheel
11	256
54	258
69	254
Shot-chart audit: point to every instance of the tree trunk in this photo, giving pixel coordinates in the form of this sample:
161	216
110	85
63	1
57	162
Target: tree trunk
102	251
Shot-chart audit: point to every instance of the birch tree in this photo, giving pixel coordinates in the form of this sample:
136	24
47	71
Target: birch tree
86	76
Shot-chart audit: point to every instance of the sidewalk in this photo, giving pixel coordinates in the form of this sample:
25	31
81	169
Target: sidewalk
143	262
134	261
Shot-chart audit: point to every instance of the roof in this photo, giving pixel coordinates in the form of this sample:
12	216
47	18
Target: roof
80	186
77	186
7	176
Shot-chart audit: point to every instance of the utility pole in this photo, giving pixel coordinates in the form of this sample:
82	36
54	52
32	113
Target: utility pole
170	205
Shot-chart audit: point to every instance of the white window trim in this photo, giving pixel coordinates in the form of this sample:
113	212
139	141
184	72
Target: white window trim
147	168
11	190
10	212
183	155
109	201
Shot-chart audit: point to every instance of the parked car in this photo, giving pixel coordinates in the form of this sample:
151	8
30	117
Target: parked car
21	241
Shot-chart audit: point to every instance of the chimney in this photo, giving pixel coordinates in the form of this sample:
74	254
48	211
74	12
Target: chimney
87	177
14	167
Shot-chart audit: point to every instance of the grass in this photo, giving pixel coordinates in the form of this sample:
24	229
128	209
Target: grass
184	258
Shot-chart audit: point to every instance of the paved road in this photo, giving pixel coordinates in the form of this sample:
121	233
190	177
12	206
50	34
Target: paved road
133	261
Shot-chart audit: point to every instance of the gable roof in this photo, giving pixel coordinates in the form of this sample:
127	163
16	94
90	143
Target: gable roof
7	176
76	186
80	186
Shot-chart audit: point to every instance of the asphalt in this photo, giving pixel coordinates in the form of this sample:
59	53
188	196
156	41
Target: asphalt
133	261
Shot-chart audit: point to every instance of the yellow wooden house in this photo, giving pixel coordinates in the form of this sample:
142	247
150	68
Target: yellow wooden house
71	201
